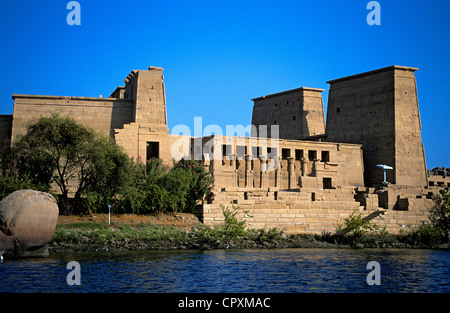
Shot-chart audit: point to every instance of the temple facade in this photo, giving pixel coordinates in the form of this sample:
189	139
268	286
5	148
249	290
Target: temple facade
293	171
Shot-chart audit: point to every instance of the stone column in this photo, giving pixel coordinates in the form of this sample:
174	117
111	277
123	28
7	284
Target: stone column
291	172
248	171
264	183
314	166
304	166
206	159
278	172
232	157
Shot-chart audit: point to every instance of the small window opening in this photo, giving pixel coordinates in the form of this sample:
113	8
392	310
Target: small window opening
325	156
285	153
327	184
152	149
271	152
256	151
241	151
226	150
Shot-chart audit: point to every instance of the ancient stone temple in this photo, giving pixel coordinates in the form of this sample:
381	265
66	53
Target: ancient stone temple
294	171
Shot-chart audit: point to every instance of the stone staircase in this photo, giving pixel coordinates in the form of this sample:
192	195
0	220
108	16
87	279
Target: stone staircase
375	214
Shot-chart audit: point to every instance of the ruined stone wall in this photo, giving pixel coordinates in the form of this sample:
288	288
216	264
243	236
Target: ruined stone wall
379	109
298	112
101	114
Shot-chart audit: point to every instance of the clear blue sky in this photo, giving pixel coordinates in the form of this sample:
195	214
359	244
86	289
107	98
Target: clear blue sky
217	55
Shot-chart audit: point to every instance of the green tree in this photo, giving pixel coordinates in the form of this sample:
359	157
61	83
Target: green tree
177	185
143	192
59	150
106	174
201	181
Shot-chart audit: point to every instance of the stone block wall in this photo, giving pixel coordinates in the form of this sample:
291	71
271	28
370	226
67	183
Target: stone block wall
297	112
307	211
314	211
145	141
101	114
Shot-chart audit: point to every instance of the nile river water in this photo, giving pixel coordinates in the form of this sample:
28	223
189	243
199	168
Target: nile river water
232	271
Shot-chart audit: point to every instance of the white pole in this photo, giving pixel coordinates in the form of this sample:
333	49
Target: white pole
109	214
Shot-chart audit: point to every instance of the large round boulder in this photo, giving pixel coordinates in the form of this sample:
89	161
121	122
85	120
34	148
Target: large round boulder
27	222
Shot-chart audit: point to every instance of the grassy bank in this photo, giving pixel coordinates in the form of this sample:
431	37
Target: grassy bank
93	236
87	236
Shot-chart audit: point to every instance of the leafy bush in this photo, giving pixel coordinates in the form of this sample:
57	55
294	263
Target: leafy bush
234	227
207	234
355	228
153	187
437	231
440	213
425	234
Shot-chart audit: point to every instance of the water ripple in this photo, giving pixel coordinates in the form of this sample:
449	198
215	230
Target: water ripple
272	271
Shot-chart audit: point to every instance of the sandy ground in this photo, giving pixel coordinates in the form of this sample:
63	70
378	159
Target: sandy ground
180	220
